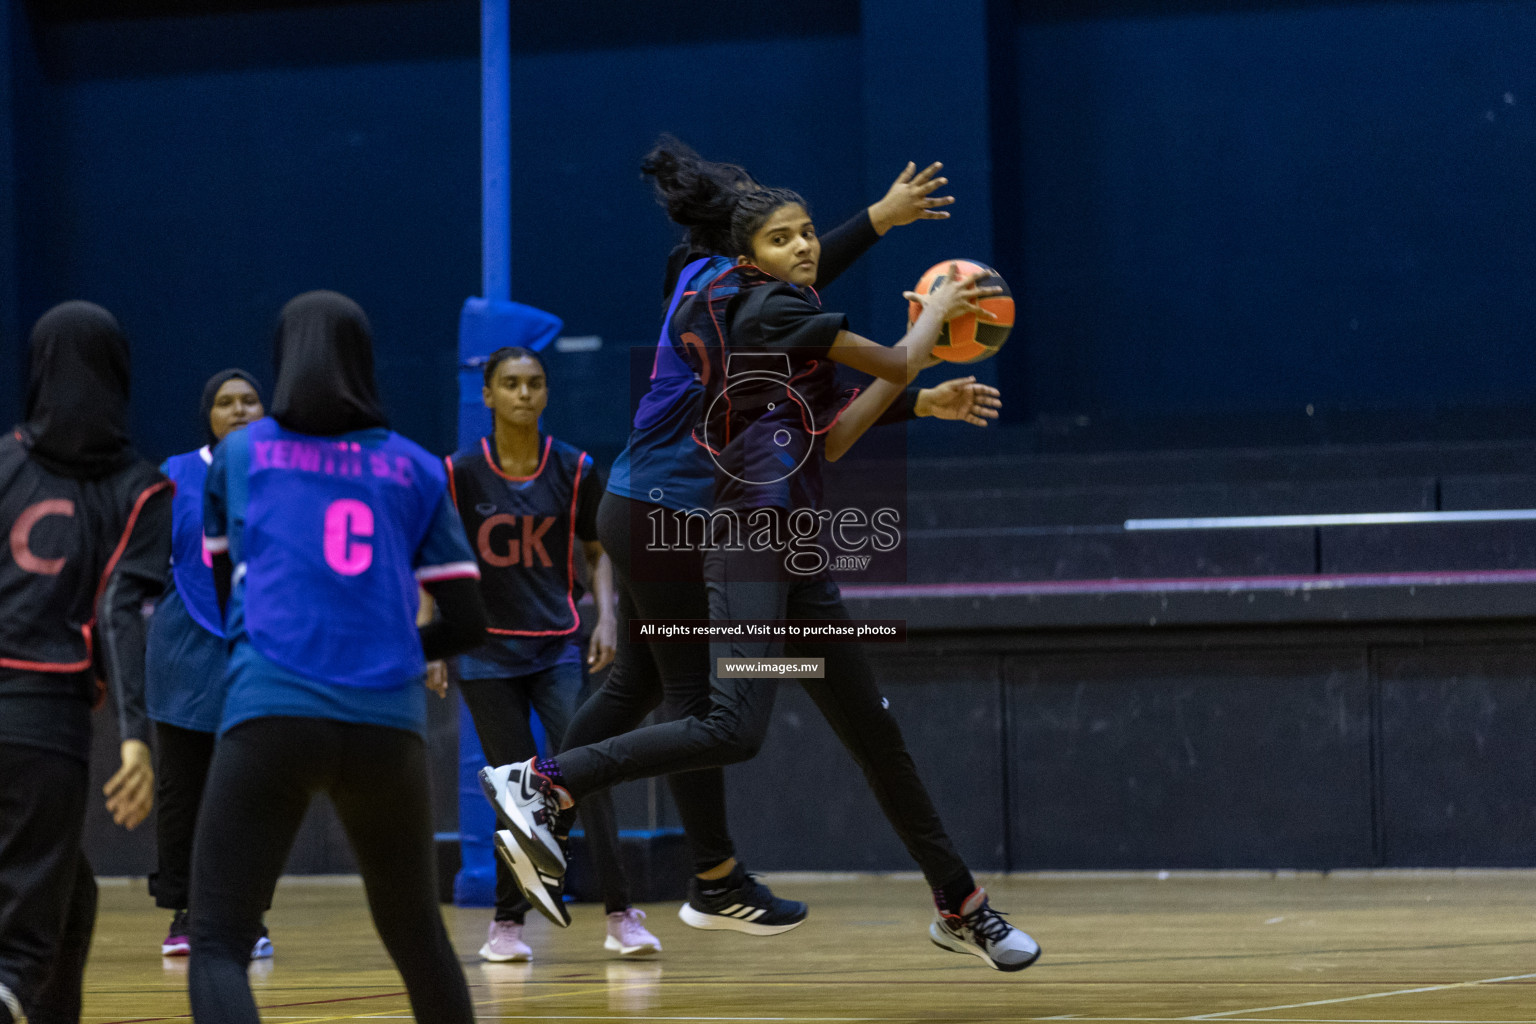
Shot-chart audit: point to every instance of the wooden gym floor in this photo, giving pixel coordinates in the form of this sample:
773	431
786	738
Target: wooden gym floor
1415	948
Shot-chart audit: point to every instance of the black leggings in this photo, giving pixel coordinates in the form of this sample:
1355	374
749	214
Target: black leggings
49	907
263	774
181	770
671	677
751	585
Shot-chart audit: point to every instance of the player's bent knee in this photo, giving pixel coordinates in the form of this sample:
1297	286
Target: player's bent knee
733	740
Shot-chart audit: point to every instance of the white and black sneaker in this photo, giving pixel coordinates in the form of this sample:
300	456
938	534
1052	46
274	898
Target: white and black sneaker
527	806
545	892
743	904
981	931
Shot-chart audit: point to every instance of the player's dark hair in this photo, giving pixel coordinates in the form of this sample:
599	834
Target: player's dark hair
495	359
752	211
698	194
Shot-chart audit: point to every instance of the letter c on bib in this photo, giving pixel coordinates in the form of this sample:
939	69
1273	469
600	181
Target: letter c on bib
345	521
21	536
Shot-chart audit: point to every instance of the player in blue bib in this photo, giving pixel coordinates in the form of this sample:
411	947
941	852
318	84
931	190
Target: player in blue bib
529	506
184	660
663	472
769	440
322	522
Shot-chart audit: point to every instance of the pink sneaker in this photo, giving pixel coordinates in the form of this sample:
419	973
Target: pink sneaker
628	937
504	943
176	941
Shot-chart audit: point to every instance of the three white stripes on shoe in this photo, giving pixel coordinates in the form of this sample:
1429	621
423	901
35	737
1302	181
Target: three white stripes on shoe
743	913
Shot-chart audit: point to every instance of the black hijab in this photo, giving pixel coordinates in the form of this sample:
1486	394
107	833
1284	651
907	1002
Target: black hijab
77	393
325	382
211	392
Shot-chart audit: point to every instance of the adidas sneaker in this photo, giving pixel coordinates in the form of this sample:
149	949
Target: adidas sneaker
750	907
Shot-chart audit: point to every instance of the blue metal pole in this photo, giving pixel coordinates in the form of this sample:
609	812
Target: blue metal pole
476	881
495	150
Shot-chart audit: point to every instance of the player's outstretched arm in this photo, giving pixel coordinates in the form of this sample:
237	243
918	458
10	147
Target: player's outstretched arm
962	398
911	198
859	416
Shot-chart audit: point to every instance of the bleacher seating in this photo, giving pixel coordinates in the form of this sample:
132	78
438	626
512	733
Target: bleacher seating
1061	517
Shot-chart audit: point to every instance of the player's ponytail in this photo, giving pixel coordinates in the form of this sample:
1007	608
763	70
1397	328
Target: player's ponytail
697	194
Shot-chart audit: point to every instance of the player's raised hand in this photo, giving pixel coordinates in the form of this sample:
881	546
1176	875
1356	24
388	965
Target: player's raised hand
911	198
960	399
957	295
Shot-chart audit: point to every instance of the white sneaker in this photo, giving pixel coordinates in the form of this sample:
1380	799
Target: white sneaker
526	803
504	944
545	892
981	931
628	937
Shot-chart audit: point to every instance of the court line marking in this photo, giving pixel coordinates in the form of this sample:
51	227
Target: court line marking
1369	995
617	1015
1064	1016
520	997
259	1009
1221	1015
1273	954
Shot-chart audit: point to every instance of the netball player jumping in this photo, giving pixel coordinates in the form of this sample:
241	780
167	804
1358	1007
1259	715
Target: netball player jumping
528	501
322	521
771	312
662	471
184	683
88	524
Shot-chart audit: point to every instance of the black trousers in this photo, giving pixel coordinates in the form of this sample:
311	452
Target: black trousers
500	709
263	775
752	585
48	891
672	679
182	758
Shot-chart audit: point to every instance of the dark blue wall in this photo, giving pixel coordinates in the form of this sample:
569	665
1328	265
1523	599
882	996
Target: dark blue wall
193	190
201	170
10	368
1323	204
1215	214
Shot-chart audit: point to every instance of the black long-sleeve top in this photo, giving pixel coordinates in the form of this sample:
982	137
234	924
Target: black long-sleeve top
83	557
